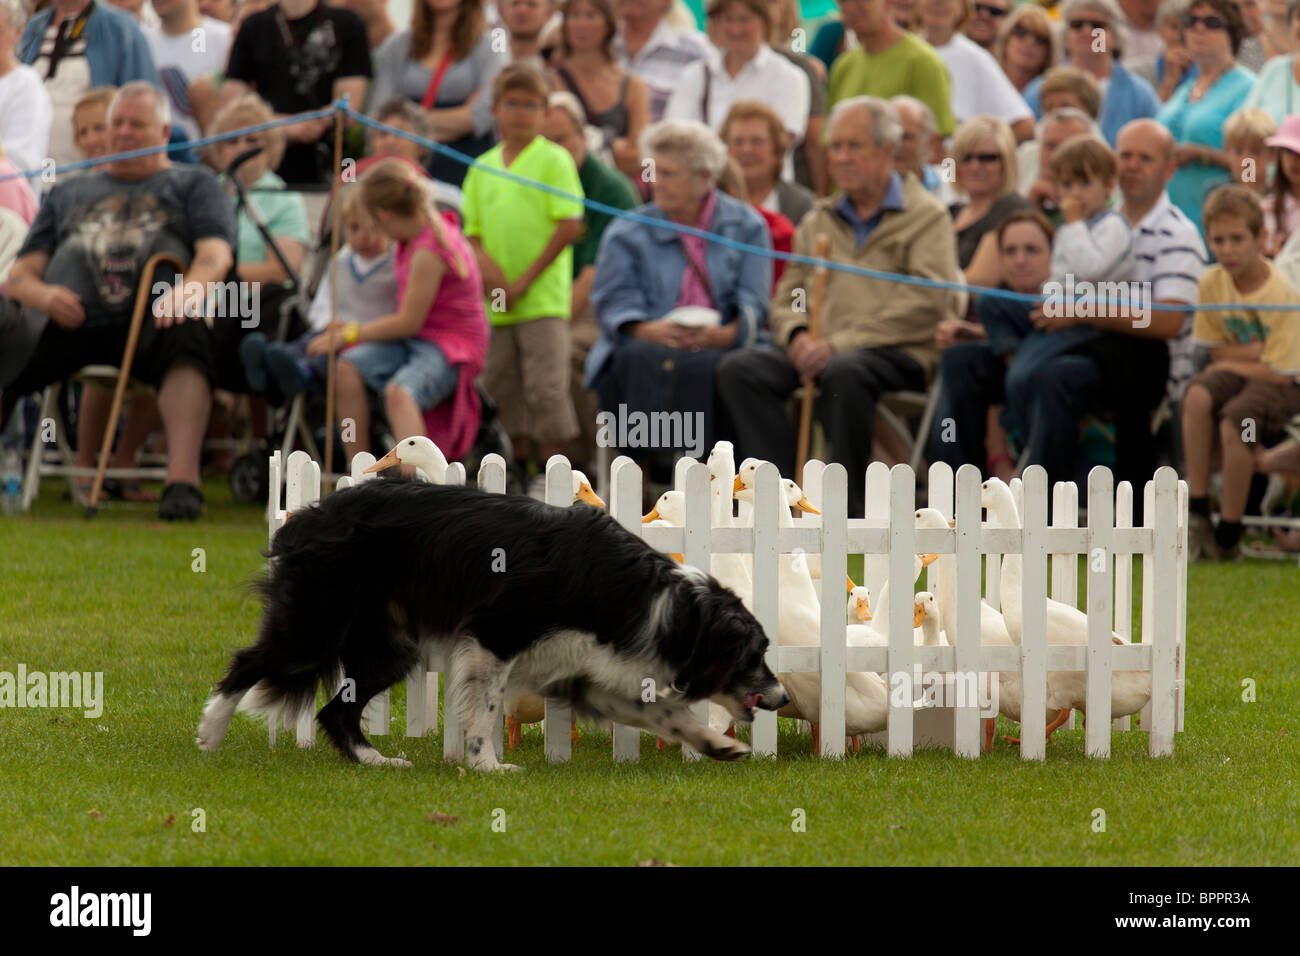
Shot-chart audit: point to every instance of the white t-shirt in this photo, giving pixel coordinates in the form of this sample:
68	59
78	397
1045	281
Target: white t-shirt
978	83
71	79
183	58
768	77
25	115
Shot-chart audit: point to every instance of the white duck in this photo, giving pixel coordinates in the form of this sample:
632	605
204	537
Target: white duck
431	463
993	627
866	704
1130	690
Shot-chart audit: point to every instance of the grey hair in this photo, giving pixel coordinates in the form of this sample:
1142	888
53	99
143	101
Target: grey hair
569	104
162	108
17	12
928	121
696	145
1118	32
886	128
1069	114
1174	10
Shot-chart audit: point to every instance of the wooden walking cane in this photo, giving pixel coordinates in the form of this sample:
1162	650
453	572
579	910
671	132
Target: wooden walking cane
142	300
820	276
330	378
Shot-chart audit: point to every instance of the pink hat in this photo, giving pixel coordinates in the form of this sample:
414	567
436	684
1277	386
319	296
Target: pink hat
1288	134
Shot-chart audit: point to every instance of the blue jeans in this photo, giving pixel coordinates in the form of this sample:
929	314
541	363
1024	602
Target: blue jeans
414	365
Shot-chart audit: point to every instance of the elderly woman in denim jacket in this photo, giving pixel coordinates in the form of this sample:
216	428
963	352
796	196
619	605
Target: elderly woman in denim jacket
651	357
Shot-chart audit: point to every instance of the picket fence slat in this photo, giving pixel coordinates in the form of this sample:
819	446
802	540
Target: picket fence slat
888	538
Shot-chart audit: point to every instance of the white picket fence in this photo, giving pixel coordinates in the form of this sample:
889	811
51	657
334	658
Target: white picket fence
888	538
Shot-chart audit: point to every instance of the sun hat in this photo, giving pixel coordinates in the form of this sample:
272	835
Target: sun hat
1288	134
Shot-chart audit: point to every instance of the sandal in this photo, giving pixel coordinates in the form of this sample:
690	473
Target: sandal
180	502
121	490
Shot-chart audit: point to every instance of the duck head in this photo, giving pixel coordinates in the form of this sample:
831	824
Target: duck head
418	451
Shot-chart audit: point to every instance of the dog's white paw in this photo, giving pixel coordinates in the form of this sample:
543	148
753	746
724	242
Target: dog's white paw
726	749
495	767
373	758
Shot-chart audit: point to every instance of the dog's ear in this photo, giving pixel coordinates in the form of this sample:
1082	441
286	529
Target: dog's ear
722	641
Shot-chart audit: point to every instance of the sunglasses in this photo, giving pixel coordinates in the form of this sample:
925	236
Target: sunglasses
986	158
1210	23
990	11
1089	25
1023	32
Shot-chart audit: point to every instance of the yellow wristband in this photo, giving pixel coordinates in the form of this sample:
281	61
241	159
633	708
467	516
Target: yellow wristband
351	332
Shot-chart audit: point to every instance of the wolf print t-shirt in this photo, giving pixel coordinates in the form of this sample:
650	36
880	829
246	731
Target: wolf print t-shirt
99	231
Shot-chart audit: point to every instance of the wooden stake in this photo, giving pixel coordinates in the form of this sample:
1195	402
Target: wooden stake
142	300
330	378
820	277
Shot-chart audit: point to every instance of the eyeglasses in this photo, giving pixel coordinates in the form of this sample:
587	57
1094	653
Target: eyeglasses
1089	25
990	11
987	158
1210	23
1023	32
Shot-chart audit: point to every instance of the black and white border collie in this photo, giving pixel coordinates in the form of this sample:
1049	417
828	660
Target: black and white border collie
563	602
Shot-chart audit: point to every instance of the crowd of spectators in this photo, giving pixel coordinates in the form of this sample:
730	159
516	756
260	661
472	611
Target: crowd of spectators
1143	155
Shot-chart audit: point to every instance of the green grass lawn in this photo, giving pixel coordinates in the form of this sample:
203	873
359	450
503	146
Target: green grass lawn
119	595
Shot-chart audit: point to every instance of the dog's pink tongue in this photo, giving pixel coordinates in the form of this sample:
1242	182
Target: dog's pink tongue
752	700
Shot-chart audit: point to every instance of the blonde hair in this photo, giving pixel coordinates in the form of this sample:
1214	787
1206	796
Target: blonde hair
393	186
99	96
1249	126
983	127
1083	158
1035	19
1071	79
250	110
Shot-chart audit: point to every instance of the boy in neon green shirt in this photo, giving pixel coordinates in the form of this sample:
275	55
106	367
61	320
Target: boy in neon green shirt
523	237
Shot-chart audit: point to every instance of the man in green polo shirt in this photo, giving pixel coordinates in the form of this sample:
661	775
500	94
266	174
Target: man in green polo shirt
889	62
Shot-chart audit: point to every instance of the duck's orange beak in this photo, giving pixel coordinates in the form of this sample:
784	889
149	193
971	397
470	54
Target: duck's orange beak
585	493
864	611
388	461
918	614
737	485
849	581
652	516
679	558
952	524
804	504
928	559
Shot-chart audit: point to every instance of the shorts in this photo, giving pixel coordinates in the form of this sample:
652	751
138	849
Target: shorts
60	352
414	365
1235	399
527	375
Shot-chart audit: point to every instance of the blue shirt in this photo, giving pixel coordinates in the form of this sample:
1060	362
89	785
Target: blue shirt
1201	124
863	228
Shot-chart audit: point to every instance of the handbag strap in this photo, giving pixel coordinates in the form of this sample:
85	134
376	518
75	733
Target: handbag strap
704	99
431	92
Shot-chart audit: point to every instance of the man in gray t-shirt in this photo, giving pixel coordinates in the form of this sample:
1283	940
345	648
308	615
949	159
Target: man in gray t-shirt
77	274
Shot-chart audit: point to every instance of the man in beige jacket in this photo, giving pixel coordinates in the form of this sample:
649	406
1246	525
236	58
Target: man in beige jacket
877	335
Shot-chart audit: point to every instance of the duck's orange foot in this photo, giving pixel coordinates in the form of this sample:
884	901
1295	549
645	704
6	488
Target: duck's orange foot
514	733
573	729
730	732
661	744
989	725
817	738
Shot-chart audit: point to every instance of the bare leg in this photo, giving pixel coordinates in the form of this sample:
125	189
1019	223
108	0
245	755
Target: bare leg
1238	468
1284	457
92	419
995	444
142	419
350	399
1198	439
404	415
185	400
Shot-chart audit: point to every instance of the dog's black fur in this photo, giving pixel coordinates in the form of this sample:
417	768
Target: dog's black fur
356	583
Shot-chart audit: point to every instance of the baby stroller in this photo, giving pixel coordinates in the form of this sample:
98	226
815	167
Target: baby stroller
303	419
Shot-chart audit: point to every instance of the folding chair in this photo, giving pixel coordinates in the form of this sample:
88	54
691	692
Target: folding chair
61	461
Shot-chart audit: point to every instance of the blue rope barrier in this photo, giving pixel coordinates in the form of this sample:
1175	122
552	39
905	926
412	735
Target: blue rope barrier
341	106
